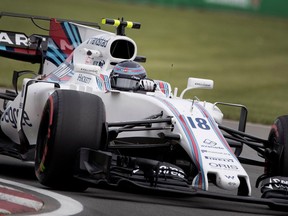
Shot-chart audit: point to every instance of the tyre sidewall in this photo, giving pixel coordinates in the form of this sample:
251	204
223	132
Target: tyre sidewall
76	120
279	137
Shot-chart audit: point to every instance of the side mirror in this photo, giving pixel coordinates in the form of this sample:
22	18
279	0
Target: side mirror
197	83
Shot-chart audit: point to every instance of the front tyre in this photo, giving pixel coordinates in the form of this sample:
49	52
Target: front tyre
71	120
277	162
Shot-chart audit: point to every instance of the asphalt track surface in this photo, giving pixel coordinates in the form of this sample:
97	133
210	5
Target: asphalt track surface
105	201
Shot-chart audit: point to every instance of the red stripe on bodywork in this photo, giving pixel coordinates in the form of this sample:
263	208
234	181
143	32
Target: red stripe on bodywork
162	87
58	35
215	128
194	145
195	150
51	115
25	51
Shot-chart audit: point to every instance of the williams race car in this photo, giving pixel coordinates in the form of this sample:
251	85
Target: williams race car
90	115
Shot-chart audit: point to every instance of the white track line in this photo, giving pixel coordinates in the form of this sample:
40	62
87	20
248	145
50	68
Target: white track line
4	211
68	206
21	201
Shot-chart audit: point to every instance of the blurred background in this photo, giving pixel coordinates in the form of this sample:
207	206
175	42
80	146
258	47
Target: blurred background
241	44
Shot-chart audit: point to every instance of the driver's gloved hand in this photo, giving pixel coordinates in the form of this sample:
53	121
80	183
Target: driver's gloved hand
147	85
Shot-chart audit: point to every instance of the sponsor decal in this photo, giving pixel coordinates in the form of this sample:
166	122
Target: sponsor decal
167	170
276	183
102	42
232	184
11	115
229	177
214	152
84	79
89	60
64	45
99	63
219	159
223	166
198	123
171	170
202	84
210	144
10	38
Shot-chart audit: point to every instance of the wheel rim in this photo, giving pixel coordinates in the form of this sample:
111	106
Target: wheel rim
43	141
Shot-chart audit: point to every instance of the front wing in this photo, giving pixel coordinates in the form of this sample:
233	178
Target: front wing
97	167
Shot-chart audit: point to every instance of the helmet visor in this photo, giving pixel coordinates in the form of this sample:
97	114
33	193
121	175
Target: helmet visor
125	84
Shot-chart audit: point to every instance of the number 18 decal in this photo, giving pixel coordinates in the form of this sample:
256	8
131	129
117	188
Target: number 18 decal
198	123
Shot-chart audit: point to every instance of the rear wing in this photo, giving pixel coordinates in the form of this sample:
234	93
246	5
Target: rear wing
18	46
62	38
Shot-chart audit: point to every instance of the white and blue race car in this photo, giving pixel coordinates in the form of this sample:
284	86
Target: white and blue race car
85	119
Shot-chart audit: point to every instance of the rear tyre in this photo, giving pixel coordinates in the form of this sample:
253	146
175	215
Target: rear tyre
71	120
277	162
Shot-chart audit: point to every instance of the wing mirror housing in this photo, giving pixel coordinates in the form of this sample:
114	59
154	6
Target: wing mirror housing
197	83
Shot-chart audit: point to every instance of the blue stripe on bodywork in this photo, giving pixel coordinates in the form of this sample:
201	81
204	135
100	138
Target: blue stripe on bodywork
76	34
54	54
53	58
59	54
69	32
99	83
198	151
2	47
107	82
192	142
215	129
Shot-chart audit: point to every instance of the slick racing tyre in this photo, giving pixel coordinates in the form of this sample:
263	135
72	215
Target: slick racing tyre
71	120
278	150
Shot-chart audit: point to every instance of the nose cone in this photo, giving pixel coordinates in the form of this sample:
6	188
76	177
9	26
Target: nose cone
227	181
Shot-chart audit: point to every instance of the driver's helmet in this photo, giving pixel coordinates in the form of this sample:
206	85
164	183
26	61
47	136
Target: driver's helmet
126	76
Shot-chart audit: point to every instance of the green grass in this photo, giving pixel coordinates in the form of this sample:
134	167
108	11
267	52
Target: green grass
246	55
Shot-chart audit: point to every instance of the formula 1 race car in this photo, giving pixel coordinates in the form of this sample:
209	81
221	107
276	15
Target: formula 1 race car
86	118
